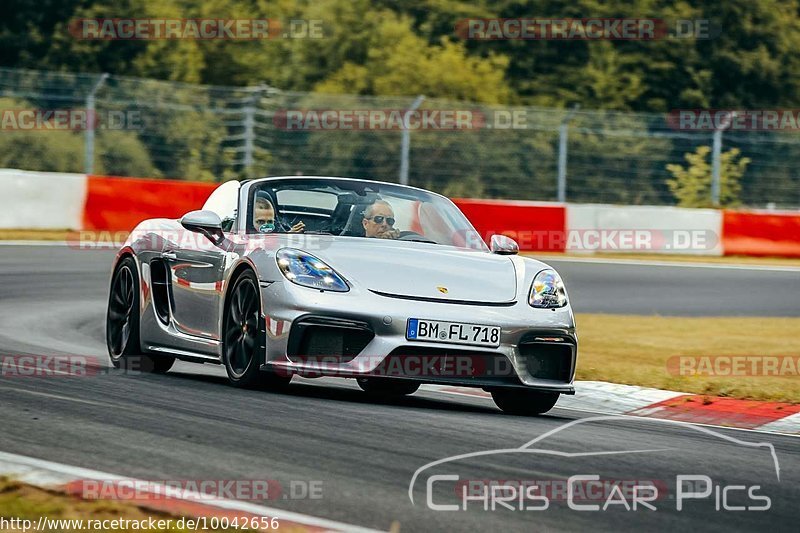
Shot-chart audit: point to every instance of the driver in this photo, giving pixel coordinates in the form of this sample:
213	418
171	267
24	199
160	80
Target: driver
379	221
264	220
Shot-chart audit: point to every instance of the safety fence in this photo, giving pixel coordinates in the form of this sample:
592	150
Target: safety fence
117	125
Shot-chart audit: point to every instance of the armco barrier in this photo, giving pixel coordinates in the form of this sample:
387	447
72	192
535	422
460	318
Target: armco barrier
121	203
41	200
536	226
761	233
643	229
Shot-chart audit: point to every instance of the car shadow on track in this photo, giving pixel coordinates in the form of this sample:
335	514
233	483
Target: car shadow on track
337	393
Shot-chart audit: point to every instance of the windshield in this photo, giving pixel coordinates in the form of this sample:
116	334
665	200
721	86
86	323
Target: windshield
355	208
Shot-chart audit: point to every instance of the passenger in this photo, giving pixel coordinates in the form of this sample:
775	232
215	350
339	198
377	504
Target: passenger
265	221
379	221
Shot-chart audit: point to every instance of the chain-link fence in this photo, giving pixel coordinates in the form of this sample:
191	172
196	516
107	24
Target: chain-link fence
173	130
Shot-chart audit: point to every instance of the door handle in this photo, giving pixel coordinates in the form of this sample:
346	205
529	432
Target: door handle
169	255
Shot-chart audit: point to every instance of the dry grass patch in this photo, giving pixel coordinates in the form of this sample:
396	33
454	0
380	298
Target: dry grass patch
34	234
635	349
19	500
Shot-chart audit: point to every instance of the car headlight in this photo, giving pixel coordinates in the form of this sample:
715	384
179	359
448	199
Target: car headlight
304	269
547	290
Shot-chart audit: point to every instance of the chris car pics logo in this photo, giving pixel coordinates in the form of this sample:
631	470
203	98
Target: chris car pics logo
446	489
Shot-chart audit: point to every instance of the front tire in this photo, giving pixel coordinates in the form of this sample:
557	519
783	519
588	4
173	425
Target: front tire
387	387
524	402
122	324
241	335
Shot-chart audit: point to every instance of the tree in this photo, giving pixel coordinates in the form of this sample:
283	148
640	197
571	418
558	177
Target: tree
399	62
691	184
118	152
173	59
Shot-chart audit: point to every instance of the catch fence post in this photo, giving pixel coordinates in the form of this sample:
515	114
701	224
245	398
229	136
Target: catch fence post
563	135
406	141
91	123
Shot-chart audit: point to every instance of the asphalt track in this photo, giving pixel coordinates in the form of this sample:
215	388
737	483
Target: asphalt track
189	425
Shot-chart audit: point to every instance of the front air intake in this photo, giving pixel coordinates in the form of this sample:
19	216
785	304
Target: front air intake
327	339
547	360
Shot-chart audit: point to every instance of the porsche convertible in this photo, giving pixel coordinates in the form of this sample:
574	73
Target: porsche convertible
314	276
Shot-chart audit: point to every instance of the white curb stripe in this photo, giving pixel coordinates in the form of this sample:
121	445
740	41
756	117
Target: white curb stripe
790	424
611	398
597	396
614	398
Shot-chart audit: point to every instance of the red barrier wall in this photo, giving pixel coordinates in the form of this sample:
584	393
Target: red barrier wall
535	226
761	233
114	203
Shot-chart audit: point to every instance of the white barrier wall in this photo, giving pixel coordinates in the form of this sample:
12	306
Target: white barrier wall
51	200
41	200
597	228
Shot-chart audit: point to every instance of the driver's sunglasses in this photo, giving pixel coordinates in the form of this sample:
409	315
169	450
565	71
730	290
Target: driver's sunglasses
379	220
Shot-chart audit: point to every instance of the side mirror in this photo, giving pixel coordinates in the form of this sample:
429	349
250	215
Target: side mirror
206	223
503	245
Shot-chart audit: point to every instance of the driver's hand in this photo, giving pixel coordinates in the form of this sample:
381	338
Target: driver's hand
298	228
389	234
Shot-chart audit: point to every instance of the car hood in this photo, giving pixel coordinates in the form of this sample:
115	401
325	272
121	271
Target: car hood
422	270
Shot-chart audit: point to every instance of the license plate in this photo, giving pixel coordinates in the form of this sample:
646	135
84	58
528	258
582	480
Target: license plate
452	332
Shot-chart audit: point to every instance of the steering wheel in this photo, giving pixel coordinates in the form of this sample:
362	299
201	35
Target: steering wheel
288	224
414	236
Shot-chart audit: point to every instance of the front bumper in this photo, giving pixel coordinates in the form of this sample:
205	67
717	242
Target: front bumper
538	347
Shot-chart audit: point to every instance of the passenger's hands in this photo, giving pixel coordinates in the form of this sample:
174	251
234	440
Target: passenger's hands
390	233
298	228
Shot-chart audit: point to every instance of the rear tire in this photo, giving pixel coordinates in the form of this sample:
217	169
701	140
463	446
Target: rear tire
387	387
122	324
240	336
524	402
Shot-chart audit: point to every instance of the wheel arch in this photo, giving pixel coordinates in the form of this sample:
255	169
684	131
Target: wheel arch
121	256
236	272
124	253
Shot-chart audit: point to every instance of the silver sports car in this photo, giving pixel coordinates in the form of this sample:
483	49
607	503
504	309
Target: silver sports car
314	276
